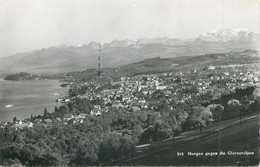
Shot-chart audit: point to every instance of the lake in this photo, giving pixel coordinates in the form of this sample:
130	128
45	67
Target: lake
28	97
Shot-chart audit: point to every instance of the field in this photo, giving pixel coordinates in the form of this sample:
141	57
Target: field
228	136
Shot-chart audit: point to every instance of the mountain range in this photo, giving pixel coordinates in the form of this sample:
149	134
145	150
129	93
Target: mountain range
121	52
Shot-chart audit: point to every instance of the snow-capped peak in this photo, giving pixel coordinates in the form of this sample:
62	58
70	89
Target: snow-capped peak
223	35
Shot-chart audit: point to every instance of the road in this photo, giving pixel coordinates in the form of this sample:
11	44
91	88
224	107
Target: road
224	136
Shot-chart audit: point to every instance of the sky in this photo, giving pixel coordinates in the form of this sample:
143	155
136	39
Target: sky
27	25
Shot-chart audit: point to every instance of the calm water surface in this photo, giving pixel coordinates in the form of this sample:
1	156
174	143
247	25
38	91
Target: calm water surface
28	97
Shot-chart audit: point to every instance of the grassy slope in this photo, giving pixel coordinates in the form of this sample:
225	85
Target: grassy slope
232	138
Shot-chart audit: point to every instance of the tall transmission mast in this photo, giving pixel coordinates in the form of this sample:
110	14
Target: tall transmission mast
99	49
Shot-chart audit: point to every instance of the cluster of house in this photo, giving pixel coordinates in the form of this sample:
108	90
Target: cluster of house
28	123
134	93
235	77
127	95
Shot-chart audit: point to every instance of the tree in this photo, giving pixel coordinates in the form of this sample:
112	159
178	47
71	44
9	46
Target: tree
14	119
216	110
126	147
201	116
205	117
45	113
73	92
154	133
109	147
234	107
31	118
61	111
80	105
147	135
254	106
153	118
136	134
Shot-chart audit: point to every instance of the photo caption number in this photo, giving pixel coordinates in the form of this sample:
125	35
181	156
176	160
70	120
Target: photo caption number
180	154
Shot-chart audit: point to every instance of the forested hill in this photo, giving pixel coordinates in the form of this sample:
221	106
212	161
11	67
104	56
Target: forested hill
21	76
158	64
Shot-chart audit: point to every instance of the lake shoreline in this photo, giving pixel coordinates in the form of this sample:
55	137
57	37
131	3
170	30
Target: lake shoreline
28	97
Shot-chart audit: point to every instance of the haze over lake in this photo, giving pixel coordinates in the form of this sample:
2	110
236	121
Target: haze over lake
28	97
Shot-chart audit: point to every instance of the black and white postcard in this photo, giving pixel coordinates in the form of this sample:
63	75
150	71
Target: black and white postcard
129	82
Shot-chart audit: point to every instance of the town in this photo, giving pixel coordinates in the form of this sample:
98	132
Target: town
135	93
150	107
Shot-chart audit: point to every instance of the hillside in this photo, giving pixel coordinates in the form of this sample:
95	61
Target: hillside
118	53
228	140
159	64
21	76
